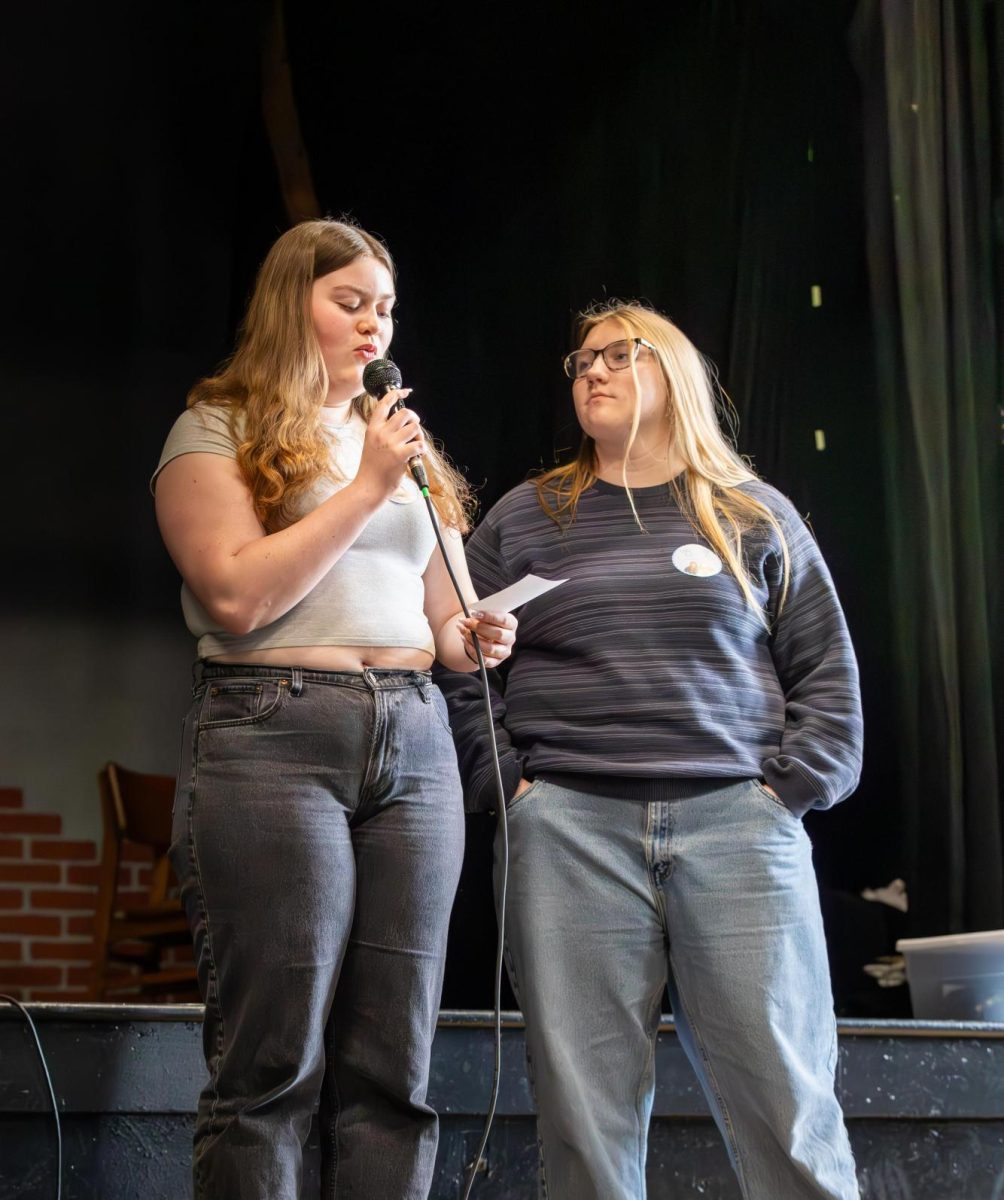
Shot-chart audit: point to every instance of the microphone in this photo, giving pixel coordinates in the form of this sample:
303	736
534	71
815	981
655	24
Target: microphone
380	377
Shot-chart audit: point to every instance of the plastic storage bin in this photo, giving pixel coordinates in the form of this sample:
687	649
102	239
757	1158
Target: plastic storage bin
958	977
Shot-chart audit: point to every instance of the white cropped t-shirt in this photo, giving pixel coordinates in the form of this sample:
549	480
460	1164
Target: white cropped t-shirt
373	596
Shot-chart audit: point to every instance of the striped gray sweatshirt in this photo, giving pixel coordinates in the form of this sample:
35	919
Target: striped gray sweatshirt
647	673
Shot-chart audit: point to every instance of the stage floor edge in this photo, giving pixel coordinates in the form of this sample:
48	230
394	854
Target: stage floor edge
924	1103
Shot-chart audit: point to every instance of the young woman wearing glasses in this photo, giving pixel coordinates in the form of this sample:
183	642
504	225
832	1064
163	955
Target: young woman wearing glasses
318	827
669	715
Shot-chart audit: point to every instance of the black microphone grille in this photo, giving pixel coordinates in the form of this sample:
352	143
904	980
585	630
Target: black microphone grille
380	376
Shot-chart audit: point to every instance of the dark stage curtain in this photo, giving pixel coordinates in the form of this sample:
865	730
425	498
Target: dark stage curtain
720	177
715	170
931	72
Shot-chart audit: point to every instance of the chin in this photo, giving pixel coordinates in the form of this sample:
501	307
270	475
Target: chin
606	430
350	380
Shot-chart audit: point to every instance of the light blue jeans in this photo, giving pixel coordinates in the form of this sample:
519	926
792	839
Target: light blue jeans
610	899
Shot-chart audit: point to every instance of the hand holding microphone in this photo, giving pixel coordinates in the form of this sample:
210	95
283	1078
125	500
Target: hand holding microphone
380	377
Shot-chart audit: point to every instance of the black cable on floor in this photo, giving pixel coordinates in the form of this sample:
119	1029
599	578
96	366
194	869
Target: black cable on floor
52	1091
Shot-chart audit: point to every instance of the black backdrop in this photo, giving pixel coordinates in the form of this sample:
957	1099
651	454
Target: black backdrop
704	155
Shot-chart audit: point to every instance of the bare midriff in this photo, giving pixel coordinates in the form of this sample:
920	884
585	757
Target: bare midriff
335	658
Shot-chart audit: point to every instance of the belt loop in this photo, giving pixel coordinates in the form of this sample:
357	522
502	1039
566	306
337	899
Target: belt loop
197	672
297	685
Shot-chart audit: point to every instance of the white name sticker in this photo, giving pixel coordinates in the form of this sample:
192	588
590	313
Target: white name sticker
696	560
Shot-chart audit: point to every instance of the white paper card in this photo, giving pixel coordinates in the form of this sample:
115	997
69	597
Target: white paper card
527	588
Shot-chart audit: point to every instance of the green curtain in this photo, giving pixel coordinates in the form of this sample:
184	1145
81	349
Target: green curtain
931	73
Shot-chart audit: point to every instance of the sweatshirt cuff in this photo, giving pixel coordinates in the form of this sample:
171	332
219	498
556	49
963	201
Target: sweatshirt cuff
794	783
486	799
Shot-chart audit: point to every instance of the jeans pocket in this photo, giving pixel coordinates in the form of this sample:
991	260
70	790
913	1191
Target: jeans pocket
440	708
242	702
775	801
516	801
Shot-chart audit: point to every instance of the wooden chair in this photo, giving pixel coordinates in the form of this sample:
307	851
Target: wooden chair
131	936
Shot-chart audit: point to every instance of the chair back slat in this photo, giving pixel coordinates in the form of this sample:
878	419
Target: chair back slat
136	808
143	806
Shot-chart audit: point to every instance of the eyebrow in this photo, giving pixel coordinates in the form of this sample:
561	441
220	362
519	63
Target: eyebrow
358	291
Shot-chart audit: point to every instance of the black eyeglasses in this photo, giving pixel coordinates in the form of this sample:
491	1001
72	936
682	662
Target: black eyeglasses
617	355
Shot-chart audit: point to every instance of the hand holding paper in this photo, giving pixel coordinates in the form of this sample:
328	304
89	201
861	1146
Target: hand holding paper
491	624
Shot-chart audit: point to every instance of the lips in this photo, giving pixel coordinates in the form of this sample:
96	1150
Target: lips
367	350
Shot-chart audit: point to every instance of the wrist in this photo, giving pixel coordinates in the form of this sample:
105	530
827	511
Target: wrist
369	491
451	649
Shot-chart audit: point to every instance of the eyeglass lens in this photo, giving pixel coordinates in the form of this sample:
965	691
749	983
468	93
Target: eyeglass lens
617	356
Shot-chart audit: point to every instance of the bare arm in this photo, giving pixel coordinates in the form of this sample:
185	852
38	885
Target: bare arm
244	577
452	630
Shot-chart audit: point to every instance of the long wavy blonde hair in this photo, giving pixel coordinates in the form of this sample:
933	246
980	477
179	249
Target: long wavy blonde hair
707	491
275	382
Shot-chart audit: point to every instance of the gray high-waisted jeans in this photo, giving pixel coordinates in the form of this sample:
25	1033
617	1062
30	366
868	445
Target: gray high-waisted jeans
318	837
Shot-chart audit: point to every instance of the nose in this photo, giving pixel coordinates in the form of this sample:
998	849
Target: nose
368	321
597	369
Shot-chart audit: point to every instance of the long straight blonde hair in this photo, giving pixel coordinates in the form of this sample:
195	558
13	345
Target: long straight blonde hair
275	382
707	491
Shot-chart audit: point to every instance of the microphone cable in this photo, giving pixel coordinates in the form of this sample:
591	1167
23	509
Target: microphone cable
503	818
379	377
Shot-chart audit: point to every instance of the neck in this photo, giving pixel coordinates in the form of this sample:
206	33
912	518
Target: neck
336	405
647	465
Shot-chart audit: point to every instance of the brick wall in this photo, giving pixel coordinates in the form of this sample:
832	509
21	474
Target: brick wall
47	901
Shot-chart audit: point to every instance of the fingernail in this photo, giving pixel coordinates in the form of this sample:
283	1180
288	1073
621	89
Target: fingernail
476	612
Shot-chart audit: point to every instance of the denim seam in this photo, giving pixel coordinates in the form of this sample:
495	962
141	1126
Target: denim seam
181	760
656	891
378	723
653	1030
379	677
653	816
213	985
713	1080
